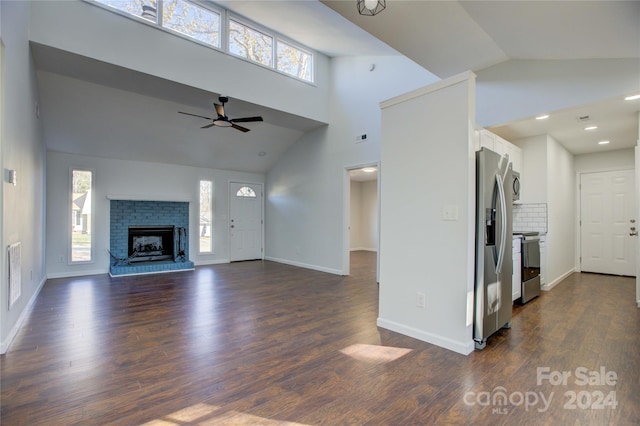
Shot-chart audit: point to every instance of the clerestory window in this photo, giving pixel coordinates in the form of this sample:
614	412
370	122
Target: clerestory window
204	23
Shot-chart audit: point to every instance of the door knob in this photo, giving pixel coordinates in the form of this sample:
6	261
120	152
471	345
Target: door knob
633	233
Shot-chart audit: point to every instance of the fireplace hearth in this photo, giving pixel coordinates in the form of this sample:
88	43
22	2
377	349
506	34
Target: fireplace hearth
149	237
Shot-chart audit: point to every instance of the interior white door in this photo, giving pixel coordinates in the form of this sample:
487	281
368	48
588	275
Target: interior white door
607	210
245	221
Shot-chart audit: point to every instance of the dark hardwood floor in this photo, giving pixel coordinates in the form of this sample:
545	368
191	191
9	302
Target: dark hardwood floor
266	343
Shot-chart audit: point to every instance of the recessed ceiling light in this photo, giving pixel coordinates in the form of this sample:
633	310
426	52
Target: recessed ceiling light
603	142
262	153
369	169
632	97
542	117
590	128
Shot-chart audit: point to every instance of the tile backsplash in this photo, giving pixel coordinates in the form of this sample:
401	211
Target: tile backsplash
530	217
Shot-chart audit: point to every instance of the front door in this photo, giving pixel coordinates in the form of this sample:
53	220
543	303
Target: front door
607	210
245	221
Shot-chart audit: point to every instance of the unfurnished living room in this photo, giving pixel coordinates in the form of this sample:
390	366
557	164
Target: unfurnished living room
249	212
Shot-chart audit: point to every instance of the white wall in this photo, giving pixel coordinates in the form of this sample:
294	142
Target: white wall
23	151
305	189
604	161
91	31
364	216
523	88
428	162
131	180
561	211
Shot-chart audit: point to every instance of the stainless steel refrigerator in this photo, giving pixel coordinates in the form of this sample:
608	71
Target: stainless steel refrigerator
494	266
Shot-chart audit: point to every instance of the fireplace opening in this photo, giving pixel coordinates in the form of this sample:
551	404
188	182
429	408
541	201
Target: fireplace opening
148	243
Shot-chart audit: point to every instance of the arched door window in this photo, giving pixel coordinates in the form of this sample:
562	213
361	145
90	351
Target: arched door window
246	191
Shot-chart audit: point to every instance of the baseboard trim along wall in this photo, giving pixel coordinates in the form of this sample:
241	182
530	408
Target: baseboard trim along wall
71	274
304	265
4	346
464	348
552	284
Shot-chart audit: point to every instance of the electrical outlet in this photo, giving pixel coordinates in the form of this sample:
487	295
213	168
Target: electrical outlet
421	300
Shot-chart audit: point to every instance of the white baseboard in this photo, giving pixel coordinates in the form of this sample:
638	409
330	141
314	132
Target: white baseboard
6	343
304	265
71	274
211	262
552	284
464	348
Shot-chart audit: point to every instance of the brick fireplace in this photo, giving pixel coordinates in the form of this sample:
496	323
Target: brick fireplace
149	237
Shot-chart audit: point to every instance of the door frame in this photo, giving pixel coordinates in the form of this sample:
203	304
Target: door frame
578	227
230	194
346	215
637	171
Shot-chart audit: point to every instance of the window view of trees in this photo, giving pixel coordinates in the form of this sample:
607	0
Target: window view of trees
81	215
250	44
192	20
204	24
145	9
206	208
294	61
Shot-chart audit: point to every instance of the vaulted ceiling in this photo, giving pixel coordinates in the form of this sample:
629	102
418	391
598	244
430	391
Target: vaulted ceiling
80	96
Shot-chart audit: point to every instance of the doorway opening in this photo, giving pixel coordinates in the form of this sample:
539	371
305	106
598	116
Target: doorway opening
361	216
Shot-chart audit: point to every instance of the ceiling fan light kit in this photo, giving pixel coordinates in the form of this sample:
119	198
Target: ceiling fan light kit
222	120
370	7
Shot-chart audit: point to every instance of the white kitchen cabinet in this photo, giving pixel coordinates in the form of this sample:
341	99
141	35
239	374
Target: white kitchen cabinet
495	143
516	279
487	139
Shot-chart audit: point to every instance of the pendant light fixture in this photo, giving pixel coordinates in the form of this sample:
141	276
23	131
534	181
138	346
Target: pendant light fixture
371	7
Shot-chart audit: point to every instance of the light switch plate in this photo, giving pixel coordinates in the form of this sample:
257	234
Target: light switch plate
450	212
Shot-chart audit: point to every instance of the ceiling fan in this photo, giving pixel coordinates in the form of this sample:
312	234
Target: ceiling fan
222	120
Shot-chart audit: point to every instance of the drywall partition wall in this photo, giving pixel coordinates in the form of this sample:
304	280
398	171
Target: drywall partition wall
22	151
355	222
561	213
304	206
91	31
605	161
428	165
120	179
369	216
364	216
518	89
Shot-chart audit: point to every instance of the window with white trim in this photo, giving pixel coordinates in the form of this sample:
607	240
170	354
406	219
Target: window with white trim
203	23
81	248
246	191
206	217
294	61
250	44
192	20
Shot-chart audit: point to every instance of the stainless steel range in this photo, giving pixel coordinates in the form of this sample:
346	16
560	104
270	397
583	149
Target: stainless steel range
530	265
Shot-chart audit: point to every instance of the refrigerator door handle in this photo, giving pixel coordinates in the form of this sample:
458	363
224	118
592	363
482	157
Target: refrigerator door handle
503	223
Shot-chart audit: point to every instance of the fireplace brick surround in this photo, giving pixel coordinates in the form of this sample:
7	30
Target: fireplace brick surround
134	213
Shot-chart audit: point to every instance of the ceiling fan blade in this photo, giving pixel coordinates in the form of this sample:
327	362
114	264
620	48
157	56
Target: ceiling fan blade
195	115
242	129
207	126
245	119
219	109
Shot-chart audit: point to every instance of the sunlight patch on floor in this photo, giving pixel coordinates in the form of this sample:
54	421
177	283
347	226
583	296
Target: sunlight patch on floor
204	414
374	353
